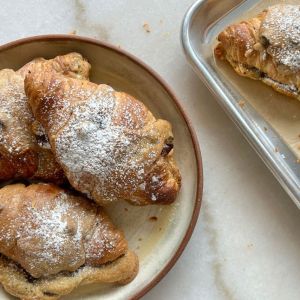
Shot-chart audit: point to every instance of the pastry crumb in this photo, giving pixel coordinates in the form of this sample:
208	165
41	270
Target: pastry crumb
126	209
140	239
153	219
160	229
276	149
265	129
241	103
73	32
146	27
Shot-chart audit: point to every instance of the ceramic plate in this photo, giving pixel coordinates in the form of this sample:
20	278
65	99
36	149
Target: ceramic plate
158	234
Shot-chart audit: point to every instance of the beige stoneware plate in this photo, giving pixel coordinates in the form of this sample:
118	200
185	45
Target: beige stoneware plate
158	234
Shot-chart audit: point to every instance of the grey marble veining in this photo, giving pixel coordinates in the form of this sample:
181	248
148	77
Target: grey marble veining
246	244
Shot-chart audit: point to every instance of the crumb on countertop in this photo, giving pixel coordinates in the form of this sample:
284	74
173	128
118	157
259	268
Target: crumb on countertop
153	219
126	209
276	149
146	27
241	103
140	239
73	32
265	129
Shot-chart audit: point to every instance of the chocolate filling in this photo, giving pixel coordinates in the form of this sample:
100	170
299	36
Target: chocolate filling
261	75
41	139
50	294
288	88
2	125
32	279
168	146
264	41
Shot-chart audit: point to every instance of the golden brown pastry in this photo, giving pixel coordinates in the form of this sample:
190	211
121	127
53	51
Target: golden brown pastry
266	48
52	241
24	149
72	65
109	144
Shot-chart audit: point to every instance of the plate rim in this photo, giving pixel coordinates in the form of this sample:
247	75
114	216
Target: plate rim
199	192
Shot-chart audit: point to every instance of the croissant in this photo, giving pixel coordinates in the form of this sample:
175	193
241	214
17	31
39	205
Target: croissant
266	48
109	144
72	65
52	241
24	150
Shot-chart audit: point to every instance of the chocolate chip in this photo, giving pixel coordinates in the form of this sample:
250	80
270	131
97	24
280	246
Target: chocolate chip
50	294
29	278
264	41
255	72
168	146
263	75
41	139
2	125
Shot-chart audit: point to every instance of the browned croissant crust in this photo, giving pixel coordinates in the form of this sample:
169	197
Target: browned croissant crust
16	282
72	65
18	157
24	151
109	144
48	233
266	48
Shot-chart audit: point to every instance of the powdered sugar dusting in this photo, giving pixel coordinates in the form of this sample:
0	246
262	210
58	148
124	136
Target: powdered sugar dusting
49	227
48	238
93	145
15	114
281	28
55	235
103	239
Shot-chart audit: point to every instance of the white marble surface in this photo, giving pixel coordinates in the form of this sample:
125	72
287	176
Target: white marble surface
246	244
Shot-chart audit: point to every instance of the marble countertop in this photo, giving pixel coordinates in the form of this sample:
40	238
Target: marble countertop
246	244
